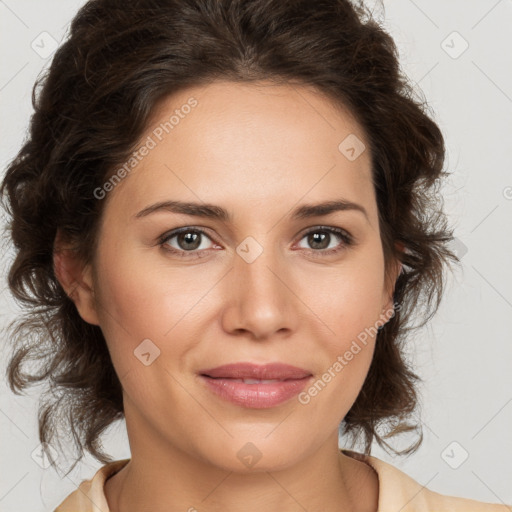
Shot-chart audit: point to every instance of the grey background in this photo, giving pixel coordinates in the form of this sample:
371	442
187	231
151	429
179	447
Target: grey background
464	356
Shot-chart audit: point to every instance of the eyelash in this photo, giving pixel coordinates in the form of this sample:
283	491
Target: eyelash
347	241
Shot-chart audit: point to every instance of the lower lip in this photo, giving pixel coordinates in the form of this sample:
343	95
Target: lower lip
256	396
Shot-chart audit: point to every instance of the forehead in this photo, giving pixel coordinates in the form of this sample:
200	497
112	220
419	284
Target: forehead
258	143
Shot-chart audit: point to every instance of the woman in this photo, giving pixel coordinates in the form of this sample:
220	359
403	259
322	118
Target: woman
280	142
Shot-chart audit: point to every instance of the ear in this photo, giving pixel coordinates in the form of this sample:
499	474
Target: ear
387	297
75	278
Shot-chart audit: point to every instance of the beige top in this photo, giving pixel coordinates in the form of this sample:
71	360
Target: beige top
397	492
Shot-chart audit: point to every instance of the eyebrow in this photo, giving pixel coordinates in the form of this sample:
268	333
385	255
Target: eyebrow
215	212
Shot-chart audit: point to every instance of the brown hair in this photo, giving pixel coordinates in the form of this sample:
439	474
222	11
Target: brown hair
92	106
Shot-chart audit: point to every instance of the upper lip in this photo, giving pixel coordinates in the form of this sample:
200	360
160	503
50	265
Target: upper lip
243	370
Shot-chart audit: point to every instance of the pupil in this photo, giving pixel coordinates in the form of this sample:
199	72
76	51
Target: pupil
190	238
317	239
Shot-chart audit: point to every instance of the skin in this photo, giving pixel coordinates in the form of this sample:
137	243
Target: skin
259	151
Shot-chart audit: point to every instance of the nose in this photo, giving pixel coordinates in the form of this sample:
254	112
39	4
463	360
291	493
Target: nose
259	298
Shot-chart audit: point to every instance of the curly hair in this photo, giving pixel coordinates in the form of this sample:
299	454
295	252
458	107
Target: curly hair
94	102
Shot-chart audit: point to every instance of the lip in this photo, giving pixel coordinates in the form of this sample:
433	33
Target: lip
244	370
225	382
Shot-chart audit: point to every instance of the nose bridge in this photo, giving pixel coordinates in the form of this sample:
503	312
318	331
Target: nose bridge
256	266
259	300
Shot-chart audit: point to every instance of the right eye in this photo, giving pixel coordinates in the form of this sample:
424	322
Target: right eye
186	240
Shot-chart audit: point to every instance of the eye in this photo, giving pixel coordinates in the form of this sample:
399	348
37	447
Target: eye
320	238
188	240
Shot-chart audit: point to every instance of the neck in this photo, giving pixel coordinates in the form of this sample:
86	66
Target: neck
160	483
161	477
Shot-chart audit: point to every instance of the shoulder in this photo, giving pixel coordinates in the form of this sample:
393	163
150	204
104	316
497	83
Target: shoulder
90	495
398	491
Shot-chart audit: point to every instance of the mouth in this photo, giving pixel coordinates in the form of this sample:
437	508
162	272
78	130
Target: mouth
252	372
255	386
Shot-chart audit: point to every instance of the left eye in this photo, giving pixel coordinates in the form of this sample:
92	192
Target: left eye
318	237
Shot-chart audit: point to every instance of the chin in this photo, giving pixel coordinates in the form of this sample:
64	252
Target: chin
258	455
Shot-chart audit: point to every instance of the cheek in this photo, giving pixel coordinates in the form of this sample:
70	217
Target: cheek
348	313
140	295
133	303
347	301
346	352
140	314
143	298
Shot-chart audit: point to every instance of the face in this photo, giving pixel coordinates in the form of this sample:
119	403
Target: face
259	284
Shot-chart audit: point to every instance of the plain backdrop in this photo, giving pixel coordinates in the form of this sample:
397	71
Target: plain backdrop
459	53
